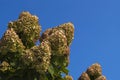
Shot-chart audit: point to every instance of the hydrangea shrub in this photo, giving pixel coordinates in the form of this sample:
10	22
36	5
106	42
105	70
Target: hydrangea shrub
22	59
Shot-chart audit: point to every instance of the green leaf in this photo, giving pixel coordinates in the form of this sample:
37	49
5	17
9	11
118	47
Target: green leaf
65	70
51	70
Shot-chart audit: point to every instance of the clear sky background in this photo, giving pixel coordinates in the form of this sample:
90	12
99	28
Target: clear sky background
97	29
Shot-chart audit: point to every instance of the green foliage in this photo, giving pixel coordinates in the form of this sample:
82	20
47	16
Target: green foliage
21	59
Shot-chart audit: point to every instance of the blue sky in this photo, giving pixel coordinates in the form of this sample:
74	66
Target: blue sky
97	29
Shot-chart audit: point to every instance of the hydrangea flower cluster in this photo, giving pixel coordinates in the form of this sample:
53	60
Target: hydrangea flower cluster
22	59
94	72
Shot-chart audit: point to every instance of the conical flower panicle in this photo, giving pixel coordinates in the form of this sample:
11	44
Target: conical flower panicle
53	34
27	27
59	41
67	29
10	43
94	72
